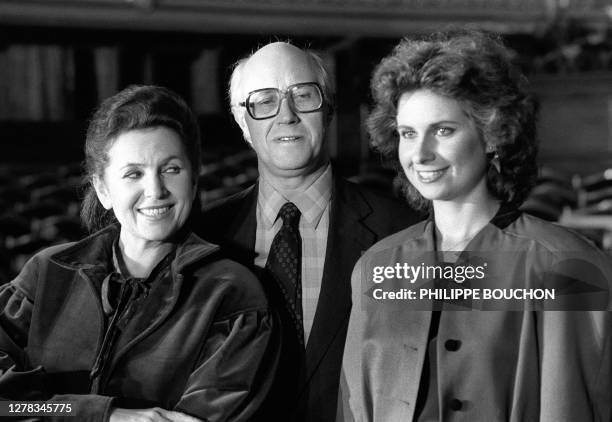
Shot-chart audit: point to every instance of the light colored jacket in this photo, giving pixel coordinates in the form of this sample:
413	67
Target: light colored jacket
549	366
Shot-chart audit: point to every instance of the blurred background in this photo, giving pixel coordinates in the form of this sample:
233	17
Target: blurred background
60	58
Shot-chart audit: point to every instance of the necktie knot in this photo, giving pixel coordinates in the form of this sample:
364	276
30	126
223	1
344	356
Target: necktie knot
290	214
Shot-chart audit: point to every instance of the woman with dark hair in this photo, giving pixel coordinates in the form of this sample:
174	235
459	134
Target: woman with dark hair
425	342
142	320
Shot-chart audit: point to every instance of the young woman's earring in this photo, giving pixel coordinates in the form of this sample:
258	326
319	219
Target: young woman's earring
495	159
495	162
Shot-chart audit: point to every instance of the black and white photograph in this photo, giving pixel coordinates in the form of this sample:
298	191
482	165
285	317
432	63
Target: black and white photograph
306	210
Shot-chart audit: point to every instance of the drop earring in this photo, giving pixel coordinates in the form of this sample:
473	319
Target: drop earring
495	162
494	159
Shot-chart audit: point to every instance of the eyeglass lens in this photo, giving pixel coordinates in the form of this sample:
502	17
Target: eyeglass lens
266	102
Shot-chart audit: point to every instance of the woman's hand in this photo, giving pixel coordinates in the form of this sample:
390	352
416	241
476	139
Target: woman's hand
155	414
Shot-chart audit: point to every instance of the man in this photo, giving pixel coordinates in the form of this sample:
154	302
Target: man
282	99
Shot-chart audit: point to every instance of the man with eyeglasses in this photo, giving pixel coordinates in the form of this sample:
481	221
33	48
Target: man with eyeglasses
301	226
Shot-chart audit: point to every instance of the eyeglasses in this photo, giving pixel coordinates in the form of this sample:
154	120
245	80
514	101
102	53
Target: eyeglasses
265	103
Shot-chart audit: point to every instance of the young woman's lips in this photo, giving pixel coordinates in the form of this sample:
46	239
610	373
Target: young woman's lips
429	176
156	212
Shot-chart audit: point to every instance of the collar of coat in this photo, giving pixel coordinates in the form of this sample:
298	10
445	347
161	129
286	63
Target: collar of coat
96	250
505	215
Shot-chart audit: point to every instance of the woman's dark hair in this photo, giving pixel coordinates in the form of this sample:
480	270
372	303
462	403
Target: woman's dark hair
136	107
475	69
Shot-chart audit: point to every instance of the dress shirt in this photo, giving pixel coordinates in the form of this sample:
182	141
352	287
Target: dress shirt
314	204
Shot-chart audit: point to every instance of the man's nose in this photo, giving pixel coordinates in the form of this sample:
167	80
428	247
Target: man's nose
286	113
155	186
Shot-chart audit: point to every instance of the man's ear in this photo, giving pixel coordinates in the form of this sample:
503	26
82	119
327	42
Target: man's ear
102	192
240	118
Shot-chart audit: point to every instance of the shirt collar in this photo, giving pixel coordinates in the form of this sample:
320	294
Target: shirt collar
311	203
118	263
120	266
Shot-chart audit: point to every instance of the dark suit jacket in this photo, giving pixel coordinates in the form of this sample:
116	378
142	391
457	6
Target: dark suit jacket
307	383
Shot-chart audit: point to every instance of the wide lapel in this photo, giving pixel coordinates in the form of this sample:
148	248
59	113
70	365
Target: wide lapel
348	237
240	235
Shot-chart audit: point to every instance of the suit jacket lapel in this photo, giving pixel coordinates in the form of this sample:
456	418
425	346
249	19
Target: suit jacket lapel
242	230
348	237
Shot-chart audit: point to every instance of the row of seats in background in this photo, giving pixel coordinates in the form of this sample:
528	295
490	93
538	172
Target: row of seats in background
583	203
40	207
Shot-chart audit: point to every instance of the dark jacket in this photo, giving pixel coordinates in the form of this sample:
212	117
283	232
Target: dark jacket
306	387
199	344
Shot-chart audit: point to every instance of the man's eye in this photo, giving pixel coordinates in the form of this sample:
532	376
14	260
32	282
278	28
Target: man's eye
445	131
264	100
302	94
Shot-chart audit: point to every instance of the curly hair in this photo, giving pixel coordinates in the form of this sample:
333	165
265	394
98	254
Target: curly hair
136	107
475	69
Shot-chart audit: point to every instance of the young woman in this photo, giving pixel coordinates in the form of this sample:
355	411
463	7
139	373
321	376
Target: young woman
142	320
453	115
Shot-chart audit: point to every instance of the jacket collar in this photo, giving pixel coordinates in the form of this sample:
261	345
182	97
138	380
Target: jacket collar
348	236
92	257
96	250
505	215
243	226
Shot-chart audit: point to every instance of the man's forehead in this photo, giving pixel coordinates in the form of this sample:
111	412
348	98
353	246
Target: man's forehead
277	65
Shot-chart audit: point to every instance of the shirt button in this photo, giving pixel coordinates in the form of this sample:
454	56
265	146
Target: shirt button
452	345
455	404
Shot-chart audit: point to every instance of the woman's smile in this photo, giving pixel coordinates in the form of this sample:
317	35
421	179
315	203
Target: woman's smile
156	212
430	176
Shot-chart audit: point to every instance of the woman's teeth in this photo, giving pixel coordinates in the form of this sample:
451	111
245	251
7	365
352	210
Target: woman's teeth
154	212
430	176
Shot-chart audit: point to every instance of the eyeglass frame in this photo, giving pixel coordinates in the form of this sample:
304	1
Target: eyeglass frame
283	94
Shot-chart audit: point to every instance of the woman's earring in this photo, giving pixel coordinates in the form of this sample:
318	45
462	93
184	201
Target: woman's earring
495	162
494	159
